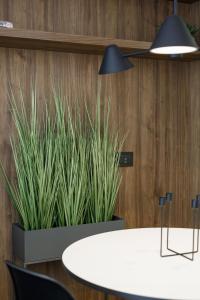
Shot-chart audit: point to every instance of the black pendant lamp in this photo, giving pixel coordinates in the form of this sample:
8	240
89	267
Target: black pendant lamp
114	61
174	37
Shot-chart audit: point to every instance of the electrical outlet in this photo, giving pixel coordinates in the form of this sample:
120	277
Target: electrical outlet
126	159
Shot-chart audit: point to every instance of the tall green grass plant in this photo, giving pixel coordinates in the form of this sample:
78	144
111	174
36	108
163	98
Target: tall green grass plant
66	165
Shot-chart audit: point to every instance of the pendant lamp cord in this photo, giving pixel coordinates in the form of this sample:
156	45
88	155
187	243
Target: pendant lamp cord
175	7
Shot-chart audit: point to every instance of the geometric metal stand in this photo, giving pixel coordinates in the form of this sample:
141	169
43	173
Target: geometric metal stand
165	209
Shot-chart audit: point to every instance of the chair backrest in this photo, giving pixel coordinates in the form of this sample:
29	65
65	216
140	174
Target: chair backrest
29	285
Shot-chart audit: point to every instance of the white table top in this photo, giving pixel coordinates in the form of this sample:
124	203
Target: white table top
128	263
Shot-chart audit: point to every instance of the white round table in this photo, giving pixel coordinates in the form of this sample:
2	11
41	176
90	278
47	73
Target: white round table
128	263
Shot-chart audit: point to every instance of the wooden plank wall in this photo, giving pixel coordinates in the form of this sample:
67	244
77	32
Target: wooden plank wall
156	103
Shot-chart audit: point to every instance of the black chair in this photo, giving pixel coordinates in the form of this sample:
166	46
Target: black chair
29	285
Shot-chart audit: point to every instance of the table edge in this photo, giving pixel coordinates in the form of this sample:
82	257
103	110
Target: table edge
108	290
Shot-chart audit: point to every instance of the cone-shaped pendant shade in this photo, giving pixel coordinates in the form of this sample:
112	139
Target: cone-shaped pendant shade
174	38
113	61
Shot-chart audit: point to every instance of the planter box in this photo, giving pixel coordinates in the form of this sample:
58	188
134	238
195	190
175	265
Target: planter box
43	245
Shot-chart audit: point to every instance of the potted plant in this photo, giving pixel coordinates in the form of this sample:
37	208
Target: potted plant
67	178
194	30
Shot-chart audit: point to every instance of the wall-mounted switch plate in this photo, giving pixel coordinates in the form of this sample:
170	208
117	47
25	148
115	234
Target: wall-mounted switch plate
126	159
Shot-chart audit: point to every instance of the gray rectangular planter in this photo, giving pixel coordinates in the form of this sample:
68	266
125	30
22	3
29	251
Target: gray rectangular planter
34	246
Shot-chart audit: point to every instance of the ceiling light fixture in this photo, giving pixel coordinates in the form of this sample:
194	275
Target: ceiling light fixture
115	61
173	38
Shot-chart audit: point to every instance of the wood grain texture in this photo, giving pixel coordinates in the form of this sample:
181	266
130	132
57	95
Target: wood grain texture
85	44
51	41
156	104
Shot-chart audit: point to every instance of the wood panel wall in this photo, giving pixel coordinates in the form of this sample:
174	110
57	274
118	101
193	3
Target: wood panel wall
156	104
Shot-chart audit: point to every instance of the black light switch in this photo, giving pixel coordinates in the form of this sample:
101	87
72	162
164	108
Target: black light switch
126	159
